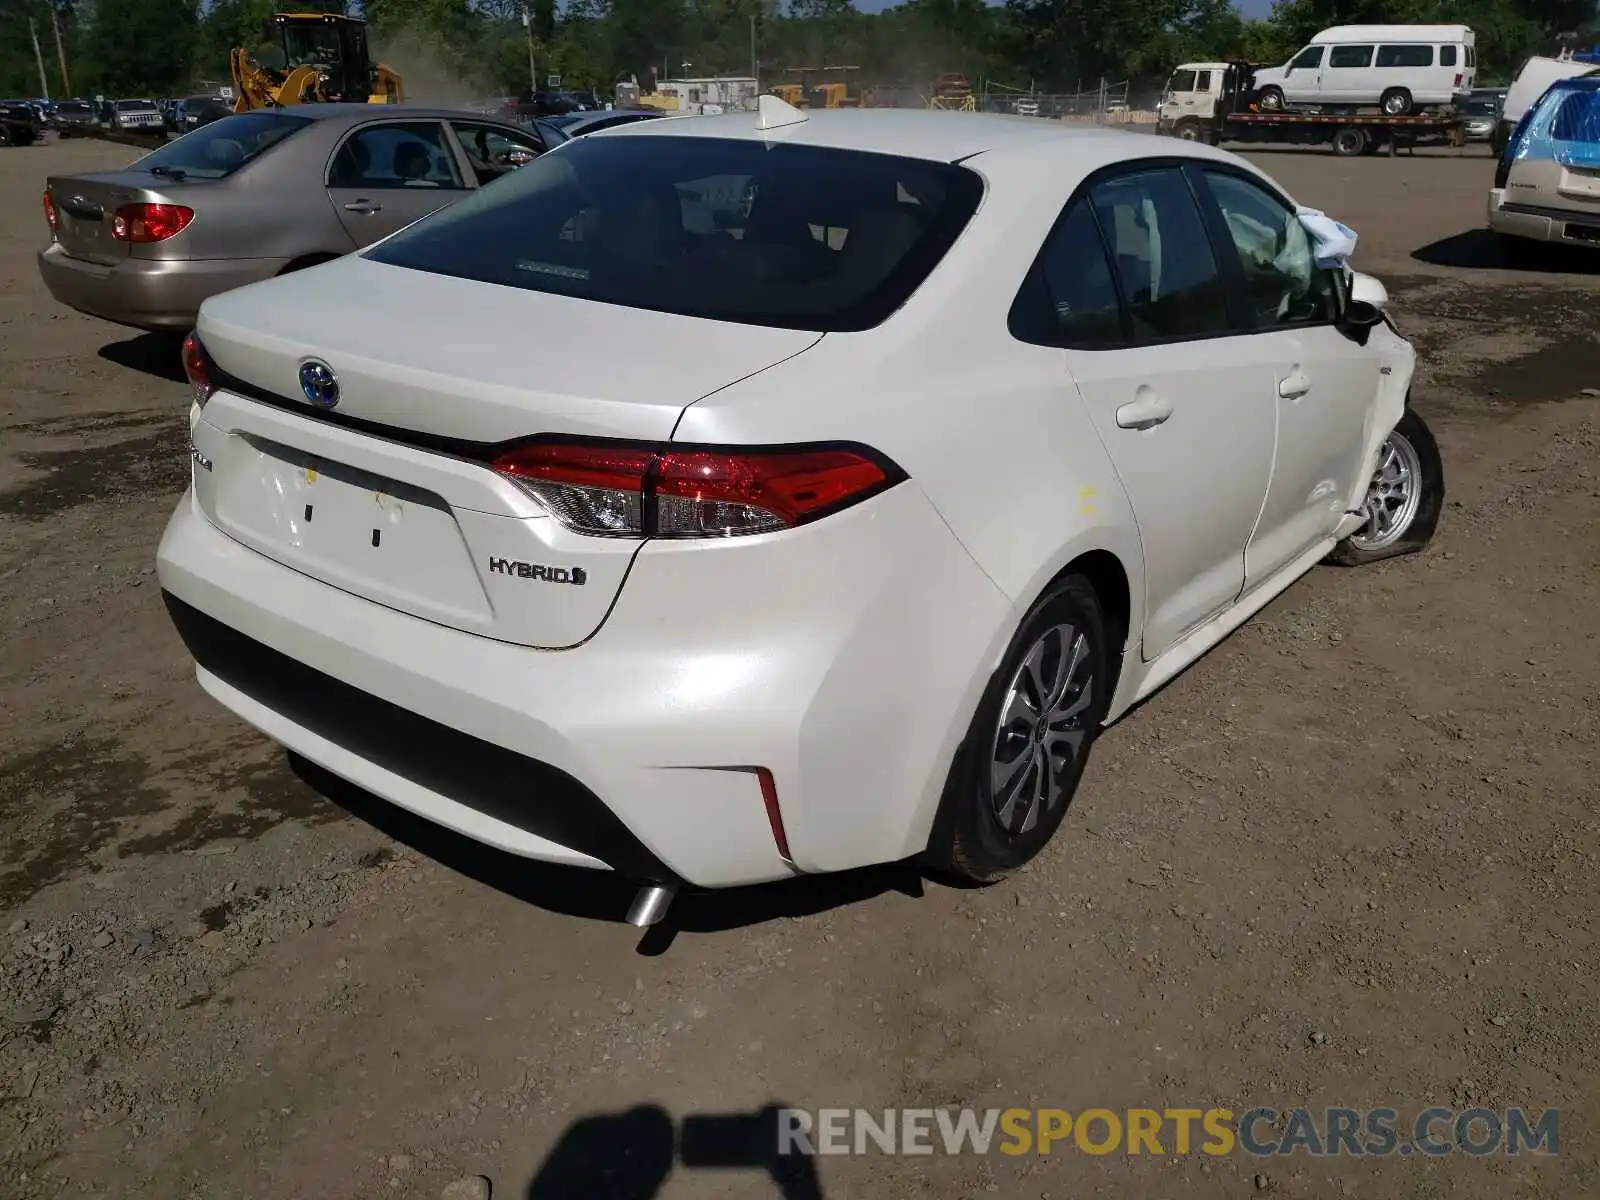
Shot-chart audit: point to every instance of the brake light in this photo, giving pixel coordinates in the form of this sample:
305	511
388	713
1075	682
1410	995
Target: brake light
149	222
1459	78
197	366
50	217
629	490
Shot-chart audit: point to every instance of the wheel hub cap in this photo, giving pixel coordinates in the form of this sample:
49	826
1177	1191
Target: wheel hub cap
1042	728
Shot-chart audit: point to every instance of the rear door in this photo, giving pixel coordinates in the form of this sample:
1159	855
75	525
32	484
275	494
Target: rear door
1181	400
387	174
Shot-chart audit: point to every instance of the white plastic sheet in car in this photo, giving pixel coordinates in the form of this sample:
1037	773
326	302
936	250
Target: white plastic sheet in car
1332	242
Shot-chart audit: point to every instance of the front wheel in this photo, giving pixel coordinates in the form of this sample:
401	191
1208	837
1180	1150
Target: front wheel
1026	748
1189	131
1404	497
1270	99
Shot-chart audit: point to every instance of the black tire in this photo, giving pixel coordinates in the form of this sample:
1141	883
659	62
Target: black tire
1270	99
972	841
1189	130
1396	102
1350	141
1417	530
5	136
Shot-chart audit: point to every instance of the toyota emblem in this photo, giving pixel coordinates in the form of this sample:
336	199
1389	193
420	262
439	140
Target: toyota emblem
319	383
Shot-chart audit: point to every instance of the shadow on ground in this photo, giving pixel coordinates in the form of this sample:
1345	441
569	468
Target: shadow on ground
1482	249
158	354
601	895
629	1155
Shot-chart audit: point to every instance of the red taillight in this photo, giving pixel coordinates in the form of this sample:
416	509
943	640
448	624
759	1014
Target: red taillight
712	491
150	222
1459	78
197	366
630	490
50	217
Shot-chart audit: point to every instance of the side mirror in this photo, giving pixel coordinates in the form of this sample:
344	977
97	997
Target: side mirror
1359	320
1368	290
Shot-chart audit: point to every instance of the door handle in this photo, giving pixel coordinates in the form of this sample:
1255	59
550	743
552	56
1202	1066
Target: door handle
365	207
1295	386
1146	412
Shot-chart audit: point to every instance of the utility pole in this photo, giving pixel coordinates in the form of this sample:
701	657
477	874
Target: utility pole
755	63
533	69
61	52
44	84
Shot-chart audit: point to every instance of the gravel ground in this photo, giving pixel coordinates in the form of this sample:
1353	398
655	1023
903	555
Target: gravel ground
1348	859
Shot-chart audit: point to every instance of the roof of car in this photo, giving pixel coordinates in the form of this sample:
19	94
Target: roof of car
931	134
329	112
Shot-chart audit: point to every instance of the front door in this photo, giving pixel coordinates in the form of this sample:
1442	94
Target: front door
1178	397
1325	385
390	173
1302	82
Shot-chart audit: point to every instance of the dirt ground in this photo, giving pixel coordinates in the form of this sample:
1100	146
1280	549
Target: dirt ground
1348	859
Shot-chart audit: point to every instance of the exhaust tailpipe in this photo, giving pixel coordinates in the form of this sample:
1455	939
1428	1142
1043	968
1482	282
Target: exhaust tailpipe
650	905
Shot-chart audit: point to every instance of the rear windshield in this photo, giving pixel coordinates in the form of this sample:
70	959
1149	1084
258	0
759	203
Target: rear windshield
223	146
74	106
801	237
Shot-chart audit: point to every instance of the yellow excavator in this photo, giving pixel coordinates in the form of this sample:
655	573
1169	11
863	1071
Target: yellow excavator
325	59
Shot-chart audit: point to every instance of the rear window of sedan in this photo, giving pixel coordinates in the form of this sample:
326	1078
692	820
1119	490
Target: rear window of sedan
222	147
800	237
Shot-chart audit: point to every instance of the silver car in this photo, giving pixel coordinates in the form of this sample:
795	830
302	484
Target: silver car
259	194
1547	187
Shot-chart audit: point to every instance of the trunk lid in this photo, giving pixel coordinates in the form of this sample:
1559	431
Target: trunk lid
428	360
85	205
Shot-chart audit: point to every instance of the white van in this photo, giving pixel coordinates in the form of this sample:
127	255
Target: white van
1400	68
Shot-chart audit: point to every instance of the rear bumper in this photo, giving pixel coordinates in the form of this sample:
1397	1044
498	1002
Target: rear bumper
846	662
147	293
1542	224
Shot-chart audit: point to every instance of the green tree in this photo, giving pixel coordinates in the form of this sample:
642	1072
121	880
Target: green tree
142	47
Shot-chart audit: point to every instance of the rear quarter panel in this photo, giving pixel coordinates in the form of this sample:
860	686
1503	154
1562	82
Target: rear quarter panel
991	429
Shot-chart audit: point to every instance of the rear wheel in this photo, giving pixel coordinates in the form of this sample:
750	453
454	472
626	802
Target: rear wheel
1026	748
1404	497
1396	102
1350	141
1270	99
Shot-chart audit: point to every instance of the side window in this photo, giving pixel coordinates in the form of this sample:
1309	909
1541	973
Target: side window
1285	285
494	151
1350	56
1070	298
1161	255
1202	82
1406	56
1311	56
1472	57
396	154
1447	56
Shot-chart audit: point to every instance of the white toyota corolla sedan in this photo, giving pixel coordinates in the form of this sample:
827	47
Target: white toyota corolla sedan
725	499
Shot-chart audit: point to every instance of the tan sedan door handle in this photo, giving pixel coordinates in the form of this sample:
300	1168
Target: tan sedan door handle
364	207
1147	410
1295	386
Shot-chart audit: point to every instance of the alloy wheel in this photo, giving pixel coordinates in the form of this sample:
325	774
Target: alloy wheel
1393	495
1042	729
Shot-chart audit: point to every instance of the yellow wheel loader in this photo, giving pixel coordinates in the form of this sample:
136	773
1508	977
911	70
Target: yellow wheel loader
325	59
